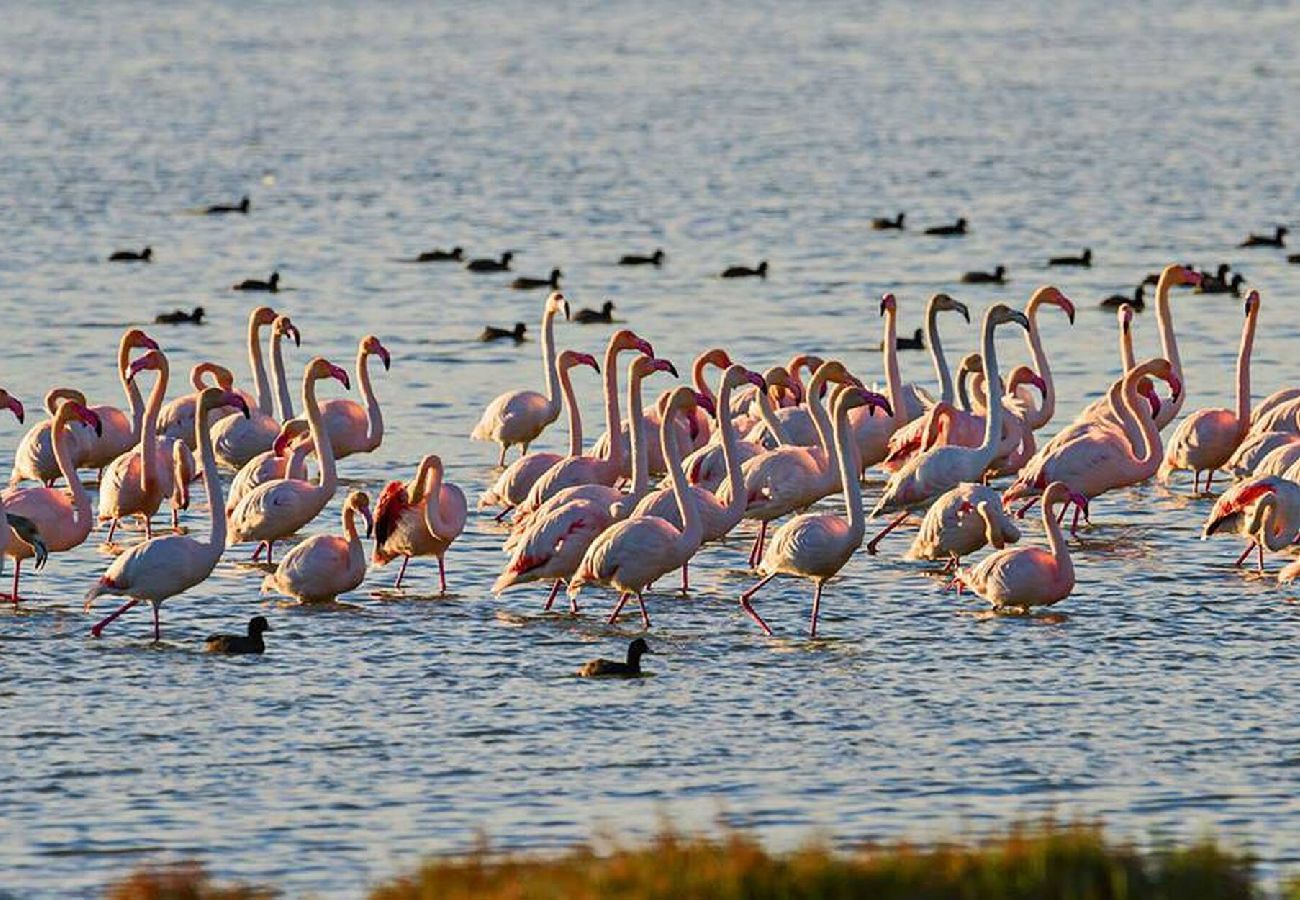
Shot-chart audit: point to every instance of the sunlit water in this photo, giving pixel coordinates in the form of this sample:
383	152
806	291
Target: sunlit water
406	724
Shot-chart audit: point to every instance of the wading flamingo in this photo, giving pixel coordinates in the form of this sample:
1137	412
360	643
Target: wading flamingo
276	509
166	566
815	545
62	518
905	441
965	519
237	439
1205	440
286	459
512	485
26	529
420	518
1019	578
518	417
121	429
707	466
352	427
1264	510
176	421
34	459
1037	417
325	565
1255	449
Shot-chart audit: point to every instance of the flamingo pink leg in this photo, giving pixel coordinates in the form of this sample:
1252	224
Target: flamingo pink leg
618	608
98	629
18	567
1209	479
257	554
1250	545
1260	548
1074	523
573	604
645	616
686	578
402	572
749	608
112	529
148	528
501	515
442	575
176	520
550	599
817	604
875	541
157	627
756	551
1020	513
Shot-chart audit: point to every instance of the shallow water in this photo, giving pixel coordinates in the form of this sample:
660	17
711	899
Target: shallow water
407	724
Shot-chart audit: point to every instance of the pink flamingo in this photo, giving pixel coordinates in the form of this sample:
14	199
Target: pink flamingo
1019	578
237	439
814	545
518	417
591	469
512	486
136	483
1205	440
176	421
410	523
1264	510
707	466
871	432
163	567
7	528
1255	448
276	509
1279	461
63	519
1037	417
352	427
286	459
34	459
121	429
961	521
325	565
634	553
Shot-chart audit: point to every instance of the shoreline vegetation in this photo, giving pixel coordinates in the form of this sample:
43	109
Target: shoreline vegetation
1075	861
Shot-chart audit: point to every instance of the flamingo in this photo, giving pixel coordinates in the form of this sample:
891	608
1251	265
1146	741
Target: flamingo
276	509
634	553
1018	578
904	441
1255	448
237	439
814	545
962	521
408	524
871	432
518	417
592	469
1264	510
62	518
1048	295
121	430
286	459
34	459
176	421
136	482
163	567
325	565
1206	440
354	428
707	466
25	529
512	486
551	543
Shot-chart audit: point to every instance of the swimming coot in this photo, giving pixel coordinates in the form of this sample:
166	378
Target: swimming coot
1293	258
894	224
1222	285
1137	301
437	254
1083	260
915	342
1262	240
145	255
746	271
238	643
492	333
586	316
491	265
527	284
632	259
221	209
997	276
599	668
252	284
181	317
955	229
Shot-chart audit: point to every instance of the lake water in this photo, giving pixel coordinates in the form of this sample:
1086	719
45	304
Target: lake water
571	133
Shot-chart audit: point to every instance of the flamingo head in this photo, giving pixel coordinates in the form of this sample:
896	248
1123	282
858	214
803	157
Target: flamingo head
1235	501
888	303
854	396
1252	302
778	380
556	303
680	400
1001	314
647	365
717	357
1024	375
1126	314
86	415
570	358
261	317
833	370
1181	275
1051	294
626	339
283	327
321	368
135	339
154	360
1148	390
215	398
945	303
370	345
289	432
803	361
735	376
1080	501
705	402
13	404
359	501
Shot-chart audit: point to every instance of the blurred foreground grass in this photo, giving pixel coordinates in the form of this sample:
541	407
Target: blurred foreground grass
1046	860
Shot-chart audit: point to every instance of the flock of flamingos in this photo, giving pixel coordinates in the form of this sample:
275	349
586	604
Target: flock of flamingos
760	447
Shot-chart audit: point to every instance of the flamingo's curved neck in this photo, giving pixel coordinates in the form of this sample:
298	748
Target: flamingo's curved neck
992	528
416	489
296	465
133	399
636	436
551	373
1243	373
433	504
211	483
936	354
1056	542
767	413
821	421
281	383
963	391
1168	346
260	384
687	503
63	455
697	376
845	457
575	414
149	431
350	529
993	417
1038	417
324	449
1139	424
613	424
1263	525
731	453
893	378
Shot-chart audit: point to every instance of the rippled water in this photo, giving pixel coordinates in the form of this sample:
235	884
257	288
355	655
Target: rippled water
406	724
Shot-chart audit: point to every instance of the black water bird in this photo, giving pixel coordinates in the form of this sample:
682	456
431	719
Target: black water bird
1137	301
1085	259
145	255
997	276
222	209
894	224
633	259
587	316
437	254
252	284
1293	258
915	342
238	643
491	265
746	271
1262	240
492	333
600	668
953	230
181	317
525	284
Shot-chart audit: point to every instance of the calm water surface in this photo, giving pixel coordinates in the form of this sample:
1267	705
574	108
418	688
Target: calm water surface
400	725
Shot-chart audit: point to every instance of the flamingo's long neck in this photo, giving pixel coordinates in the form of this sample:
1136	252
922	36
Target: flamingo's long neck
1140	425
417	487
936	354
817	412
1243	372
295	465
1263	527
277	371
687	503
1168	346
374	418
767	413
963	393
324	449
433	504
846	458
1128	423
613	422
637	435
697	376
548	364
350	530
575	414
63	455
149	431
260	383
893	378
133	399
1056	542
1039	417
731	454
211	483
992	379
1126	358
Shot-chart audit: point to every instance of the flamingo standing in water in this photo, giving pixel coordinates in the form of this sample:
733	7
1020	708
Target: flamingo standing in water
166	566
1264	510
707	466
634	553
276	509
1206	440
421	518
176	421
7	528
286	459
1018	578
34	459
906	441
512	485
62	519
121	429
963	520
325	565
354	428
518	417
873	432
238	439
815	545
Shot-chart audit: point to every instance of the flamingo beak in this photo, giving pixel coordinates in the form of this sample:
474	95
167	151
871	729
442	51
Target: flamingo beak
1175	385
705	402
1066	304
1192	278
963	309
91	418
138	366
587	359
668	367
644	347
566	310
15	406
294	333
237	401
148	342
1039	382
876	401
281	444
370	520
340	376
382	352
756	380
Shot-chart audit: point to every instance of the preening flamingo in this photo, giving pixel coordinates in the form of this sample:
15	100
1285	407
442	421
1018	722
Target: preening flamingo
286	459
7	529
163	567
121	429
634	553
276	509
815	545
34	459
237	439
1206	440
961	521
420	518
352	427
1263	510
1019	578
325	565
62	518
176	421
512	485
518	417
